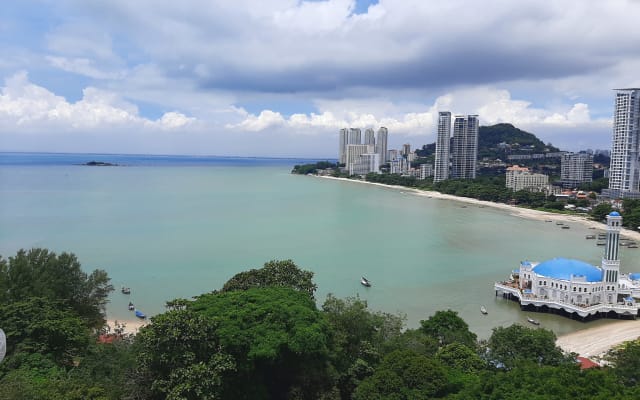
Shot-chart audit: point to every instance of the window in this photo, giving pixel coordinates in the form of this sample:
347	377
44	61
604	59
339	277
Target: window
574	289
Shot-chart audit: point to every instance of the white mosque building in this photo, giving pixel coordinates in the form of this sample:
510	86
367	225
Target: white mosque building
577	287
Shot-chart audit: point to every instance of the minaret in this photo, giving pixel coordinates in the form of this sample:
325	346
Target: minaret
611	260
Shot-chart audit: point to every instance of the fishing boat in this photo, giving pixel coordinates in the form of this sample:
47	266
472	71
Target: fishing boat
365	282
140	314
483	310
533	321
565	227
590	237
559	223
125	290
601	243
131	307
632	246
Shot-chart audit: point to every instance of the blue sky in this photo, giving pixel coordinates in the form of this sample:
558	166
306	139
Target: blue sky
280	78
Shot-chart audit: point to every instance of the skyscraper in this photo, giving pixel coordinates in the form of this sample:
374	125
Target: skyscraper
442	146
576	168
465	147
624	171
342	152
381	144
369	137
355	136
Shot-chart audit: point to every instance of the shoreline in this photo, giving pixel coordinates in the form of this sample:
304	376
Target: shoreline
128	326
512	210
597	341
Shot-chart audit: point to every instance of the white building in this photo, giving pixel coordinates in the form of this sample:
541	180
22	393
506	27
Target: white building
364	164
520	178
355	150
624	173
426	170
442	146
342	150
577	287
355	136
399	166
392	155
576	168
369	137
381	144
465	147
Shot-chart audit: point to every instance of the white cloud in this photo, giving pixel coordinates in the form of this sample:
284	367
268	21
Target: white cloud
83	66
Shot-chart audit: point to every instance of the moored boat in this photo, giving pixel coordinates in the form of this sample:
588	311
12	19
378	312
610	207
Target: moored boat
125	290
140	314
483	310
533	321
365	282
590	237
565	227
131	307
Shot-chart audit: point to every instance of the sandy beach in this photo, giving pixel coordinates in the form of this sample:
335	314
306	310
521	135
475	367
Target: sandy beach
131	326
595	342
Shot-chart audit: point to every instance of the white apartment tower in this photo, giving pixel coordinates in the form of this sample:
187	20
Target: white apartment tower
624	172
465	147
369	137
442	146
355	136
381	144
576	168
342	152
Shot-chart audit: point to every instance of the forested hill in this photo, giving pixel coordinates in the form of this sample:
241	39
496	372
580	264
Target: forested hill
495	141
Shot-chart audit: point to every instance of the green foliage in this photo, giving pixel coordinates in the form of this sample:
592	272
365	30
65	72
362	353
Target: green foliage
404	375
447	327
277	336
516	344
312	168
490	136
284	273
600	212
596	185
631	213
41	273
392	179
626	360
179	356
460	357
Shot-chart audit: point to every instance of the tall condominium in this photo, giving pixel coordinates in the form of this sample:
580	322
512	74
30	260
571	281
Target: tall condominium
624	171
406	149
355	136
576	168
442	146
381	144
342	152
465	147
369	137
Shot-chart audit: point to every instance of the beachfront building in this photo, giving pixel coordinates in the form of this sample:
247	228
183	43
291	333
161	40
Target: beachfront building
364	164
576	169
369	137
442	146
381	144
426	170
355	136
576	287
465	147
624	172
400	166
521	178
342	149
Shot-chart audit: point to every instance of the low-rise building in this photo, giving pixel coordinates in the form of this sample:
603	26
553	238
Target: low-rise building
426	170
521	178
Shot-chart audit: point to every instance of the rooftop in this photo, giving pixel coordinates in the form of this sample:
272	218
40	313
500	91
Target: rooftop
563	268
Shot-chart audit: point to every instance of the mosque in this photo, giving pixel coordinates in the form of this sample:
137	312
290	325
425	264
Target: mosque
576	287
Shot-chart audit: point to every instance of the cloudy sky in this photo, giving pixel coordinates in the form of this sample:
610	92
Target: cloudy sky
280	77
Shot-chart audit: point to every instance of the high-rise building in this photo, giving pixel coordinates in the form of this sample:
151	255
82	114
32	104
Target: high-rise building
426	170
354	162
624	172
465	147
381	144
342	152
442	146
406	149
364	164
369	137
355	136
576	168
520	178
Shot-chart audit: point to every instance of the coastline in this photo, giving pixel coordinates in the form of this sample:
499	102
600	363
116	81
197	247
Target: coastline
512	210
128	326
595	342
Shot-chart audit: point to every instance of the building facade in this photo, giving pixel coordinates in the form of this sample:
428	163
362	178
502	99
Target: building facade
576	287
342	151
624	172
365	163
521	178
369	137
426	170
442	147
381	144
576	169
465	147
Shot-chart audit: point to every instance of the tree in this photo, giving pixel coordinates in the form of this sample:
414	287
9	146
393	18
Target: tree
278	338
516	344
600	212
447	327
41	273
274	273
626	360
460	357
179	356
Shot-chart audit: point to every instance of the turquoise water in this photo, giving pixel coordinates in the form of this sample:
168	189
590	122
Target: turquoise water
170	230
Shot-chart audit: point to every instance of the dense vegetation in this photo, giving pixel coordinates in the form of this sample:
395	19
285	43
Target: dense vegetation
304	169
262	336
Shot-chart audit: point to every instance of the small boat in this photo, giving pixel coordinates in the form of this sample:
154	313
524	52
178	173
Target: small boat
125	290
592	227
548	220
365	282
601	243
632	246
140	314
131	307
483	310
565	227
590	237
559	223
533	321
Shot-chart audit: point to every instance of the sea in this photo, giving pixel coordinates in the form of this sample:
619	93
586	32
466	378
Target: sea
178	226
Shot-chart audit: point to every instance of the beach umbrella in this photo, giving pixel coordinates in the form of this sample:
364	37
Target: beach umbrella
3	345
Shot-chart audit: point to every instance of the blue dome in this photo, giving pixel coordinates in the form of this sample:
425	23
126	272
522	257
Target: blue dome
635	276
614	214
563	268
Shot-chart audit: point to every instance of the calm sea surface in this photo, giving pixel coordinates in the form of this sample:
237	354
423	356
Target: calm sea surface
179	226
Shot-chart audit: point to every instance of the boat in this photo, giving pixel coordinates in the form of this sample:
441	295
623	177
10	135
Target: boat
601	243
559	223
483	310
140	314
548	220
632	246
592	227
125	290
365	282
590	237
533	321
131	307
565	227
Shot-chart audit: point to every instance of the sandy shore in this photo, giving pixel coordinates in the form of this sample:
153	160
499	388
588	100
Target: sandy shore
595	342
129	326
512	210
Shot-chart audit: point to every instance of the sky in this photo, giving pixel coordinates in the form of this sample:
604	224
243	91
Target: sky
281	77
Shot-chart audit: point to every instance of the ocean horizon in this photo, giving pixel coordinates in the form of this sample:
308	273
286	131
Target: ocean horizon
167	231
